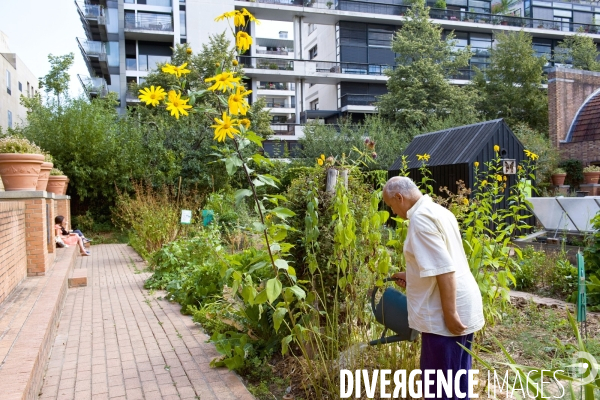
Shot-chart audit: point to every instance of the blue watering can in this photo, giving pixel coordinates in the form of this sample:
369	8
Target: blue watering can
392	313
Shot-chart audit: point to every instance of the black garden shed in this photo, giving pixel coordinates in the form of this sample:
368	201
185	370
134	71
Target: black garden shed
453	152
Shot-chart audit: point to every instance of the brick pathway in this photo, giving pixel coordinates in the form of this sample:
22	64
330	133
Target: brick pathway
115	341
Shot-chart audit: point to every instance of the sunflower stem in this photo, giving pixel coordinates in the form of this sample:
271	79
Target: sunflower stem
262	218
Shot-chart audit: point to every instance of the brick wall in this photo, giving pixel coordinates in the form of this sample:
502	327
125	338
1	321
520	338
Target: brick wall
567	91
13	252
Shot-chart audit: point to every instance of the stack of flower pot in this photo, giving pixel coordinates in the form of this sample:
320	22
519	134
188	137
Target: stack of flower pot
25	166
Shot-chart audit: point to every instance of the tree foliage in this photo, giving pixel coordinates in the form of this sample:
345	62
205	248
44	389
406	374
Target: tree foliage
57	80
419	89
511	86
580	51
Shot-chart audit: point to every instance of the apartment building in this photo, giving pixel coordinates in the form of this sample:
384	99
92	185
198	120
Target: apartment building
15	80
125	39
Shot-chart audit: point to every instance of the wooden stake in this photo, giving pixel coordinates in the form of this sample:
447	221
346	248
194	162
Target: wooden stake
332	175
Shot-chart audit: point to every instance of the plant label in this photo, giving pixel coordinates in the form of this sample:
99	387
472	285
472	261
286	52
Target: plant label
186	216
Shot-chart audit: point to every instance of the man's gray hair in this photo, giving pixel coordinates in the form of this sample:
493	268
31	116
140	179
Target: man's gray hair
400	184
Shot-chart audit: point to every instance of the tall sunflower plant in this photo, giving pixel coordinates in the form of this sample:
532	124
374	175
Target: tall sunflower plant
234	137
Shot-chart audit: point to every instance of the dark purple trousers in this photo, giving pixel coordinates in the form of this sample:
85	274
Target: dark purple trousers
443	353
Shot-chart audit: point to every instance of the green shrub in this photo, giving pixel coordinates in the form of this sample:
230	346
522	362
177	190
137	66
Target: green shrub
574	170
56	172
526	276
12	144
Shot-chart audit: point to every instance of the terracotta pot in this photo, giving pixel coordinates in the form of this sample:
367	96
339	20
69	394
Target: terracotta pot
591	177
558	179
44	175
66	185
20	171
56	184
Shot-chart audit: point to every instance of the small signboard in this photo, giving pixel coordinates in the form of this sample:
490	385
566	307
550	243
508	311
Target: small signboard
509	167
186	216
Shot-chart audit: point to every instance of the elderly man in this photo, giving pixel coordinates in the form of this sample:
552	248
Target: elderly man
444	302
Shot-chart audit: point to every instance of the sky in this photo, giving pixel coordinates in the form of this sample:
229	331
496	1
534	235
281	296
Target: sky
36	28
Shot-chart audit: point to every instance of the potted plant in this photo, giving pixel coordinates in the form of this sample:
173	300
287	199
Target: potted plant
56	182
441	4
591	174
20	163
45	172
558	177
329	4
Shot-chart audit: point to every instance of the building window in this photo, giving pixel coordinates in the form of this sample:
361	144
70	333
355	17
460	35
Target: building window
311	28
8	85
312	53
10	119
182	26
314	105
20	87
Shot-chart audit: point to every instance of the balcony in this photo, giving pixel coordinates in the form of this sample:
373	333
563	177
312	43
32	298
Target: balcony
274	52
94	20
94	54
131	97
450	19
276	86
93	87
148	26
285	129
365	103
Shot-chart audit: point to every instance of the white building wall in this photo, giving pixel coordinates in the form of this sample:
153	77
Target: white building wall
200	15
19	73
323	36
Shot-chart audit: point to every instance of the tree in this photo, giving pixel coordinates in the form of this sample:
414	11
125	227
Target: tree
419	89
580	51
511	86
57	80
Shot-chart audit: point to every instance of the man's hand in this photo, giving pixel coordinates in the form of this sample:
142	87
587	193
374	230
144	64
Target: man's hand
400	279
454	325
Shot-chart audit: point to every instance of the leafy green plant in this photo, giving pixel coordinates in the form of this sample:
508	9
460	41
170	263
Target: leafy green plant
591	168
12	144
592	265
56	172
440	4
574	170
559	171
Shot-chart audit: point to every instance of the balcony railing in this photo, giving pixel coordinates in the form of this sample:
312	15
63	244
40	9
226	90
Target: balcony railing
279	104
273	52
321	66
284	129
131	96
149	22
442	14
276	86
94	87
89	11
92	48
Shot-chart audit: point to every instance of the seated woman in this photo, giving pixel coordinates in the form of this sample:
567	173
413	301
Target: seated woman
60	219
69	238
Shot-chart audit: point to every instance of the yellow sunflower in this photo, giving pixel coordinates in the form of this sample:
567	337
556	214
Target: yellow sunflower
238	104
228	14
476	164
531	155
496	148
245	122
423	157
177	105
243	41
225	127
175	70
319	161
223	81
152	96
250	16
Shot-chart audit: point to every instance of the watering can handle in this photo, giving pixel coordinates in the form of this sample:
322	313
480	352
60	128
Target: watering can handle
375	290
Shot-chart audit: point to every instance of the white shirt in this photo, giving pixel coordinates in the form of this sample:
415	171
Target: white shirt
433	247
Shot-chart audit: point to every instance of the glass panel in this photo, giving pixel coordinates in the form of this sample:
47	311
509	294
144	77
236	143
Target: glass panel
161	3
562	5
582	8
130	1
115	84
112	52
112	23
153	60
562	13
131	64
143	62
182	22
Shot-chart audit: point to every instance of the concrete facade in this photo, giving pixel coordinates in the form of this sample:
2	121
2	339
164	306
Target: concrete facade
15	80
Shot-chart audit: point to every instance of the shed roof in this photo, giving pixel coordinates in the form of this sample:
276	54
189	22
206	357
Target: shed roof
451	146
586	125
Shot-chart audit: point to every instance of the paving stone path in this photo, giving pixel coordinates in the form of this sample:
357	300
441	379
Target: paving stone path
116	341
